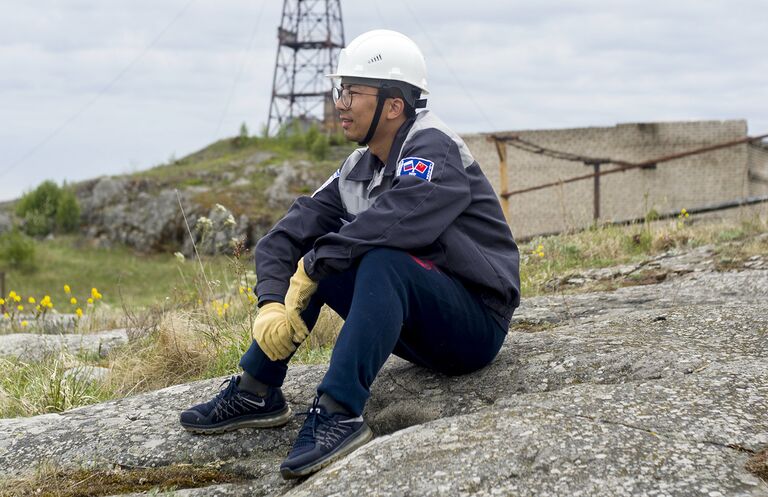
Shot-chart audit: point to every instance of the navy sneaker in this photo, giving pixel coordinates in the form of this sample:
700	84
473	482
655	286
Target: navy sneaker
233	408
323	439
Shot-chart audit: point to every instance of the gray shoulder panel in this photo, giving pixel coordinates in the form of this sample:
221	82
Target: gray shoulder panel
352	193
426	120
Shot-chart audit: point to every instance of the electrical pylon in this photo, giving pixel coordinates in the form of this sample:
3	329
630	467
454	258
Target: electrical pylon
310	36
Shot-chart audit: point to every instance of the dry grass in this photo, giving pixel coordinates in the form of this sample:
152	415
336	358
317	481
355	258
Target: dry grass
758	465
548	258
185	346
51	482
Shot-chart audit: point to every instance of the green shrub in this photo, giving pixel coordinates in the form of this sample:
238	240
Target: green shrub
337	139
319	147
36	223
47	208
67	212
310	136
242	138
17	251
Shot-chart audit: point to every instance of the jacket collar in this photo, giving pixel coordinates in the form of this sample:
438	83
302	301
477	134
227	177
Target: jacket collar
369	163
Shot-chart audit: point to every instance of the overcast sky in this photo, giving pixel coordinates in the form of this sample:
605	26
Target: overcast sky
93	87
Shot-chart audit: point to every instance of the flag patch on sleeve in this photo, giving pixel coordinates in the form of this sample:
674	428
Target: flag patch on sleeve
415	166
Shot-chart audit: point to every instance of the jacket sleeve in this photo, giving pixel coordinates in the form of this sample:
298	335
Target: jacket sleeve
279	250
410	215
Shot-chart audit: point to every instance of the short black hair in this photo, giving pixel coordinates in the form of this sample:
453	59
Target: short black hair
396	92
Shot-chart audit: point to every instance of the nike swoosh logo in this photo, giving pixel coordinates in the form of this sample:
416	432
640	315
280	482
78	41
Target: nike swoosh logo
353	420
261	403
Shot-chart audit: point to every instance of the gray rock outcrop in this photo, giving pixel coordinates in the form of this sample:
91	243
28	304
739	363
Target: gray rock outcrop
216	233
290	179
6	222
118	210
33	347
649	390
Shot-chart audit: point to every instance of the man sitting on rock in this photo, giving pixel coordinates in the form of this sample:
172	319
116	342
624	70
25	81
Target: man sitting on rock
406	241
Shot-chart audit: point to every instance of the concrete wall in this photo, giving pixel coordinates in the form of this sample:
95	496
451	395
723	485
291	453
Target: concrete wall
683	183
758	169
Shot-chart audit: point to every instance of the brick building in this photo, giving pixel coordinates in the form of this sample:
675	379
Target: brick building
717	176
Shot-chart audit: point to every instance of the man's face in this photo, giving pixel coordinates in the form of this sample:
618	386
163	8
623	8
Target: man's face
356	118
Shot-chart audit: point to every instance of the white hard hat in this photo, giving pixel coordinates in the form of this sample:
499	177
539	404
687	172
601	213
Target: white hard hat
382	54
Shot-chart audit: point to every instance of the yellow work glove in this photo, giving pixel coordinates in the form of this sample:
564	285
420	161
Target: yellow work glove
300	291
271	331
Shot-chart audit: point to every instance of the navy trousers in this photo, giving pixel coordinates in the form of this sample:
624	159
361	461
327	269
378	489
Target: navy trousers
392	303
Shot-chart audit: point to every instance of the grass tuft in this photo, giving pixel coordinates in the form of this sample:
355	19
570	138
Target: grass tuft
49	482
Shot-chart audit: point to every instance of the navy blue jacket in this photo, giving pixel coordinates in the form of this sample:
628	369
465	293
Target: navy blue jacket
430	199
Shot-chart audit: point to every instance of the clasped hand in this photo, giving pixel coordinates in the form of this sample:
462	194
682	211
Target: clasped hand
279	328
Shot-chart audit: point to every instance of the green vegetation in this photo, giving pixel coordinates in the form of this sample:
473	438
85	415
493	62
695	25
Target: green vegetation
17	251
48	208
123	276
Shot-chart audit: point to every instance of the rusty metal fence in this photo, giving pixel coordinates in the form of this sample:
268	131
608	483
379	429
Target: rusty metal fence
500	140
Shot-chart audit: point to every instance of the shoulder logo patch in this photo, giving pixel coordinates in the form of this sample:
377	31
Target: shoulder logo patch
415	166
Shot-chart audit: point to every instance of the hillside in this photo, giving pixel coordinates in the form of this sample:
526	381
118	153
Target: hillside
253	179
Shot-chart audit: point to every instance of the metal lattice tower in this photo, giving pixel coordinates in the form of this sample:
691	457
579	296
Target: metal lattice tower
310	36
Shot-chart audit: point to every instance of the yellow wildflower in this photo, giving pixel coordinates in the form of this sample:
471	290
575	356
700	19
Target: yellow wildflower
17	297
2	301
242	290
24	323
12	295
95	294
31	300
20	307
6	315
90	301
73	301
38	308
79	312
67	290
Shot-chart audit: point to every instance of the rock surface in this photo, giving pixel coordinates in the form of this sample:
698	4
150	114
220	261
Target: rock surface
649	390
6	223
33	347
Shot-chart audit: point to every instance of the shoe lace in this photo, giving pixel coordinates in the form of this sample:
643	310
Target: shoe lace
224	399
320	428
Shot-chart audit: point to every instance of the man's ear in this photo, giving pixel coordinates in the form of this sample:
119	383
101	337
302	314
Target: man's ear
396	107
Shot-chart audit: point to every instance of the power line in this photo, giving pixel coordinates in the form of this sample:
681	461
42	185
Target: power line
378	12
448	66
240	71
98	95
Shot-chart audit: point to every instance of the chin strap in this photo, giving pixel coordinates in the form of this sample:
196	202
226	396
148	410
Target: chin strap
375	122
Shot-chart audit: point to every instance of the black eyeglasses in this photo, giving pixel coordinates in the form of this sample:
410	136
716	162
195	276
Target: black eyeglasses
345	95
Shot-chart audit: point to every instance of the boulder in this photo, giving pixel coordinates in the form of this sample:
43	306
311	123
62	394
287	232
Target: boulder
134	213
34	347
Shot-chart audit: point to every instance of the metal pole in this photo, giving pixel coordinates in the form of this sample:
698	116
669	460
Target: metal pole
501	149
596	208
